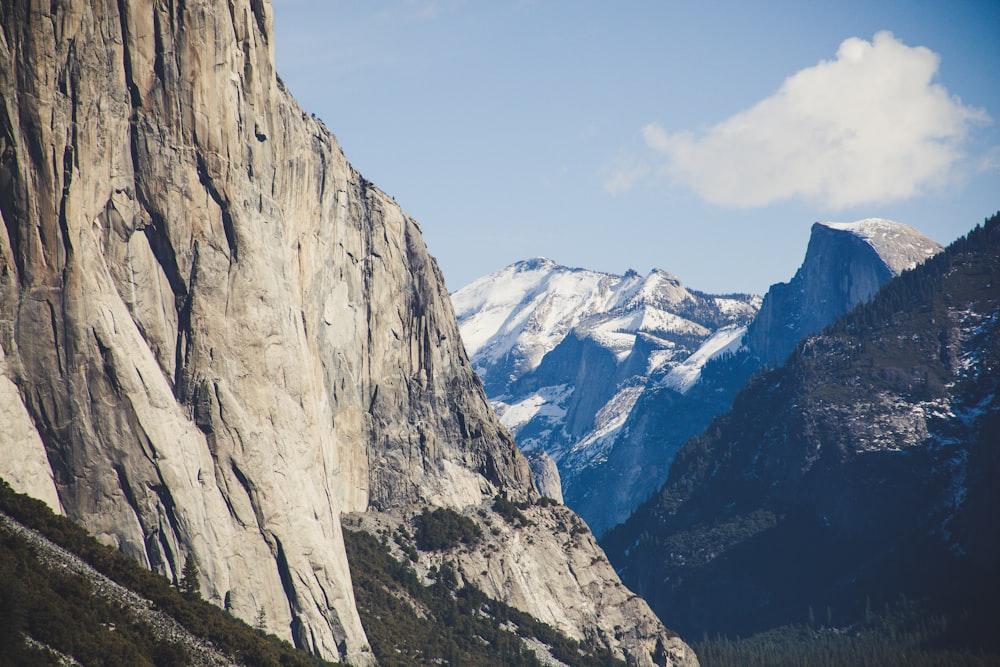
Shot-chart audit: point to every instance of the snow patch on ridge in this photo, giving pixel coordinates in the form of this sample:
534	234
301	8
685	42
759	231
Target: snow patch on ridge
684	375
609	420
900	246
546	402
531	306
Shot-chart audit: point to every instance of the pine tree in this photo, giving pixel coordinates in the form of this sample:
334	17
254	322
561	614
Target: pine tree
261	623
190	585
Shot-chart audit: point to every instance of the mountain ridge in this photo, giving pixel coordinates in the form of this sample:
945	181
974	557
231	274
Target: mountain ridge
564	353
845	264
640	346
867	477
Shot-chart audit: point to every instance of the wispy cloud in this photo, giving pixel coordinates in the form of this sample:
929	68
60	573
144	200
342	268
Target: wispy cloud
623	175
869	126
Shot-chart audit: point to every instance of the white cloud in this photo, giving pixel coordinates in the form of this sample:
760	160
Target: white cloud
870	126
623	176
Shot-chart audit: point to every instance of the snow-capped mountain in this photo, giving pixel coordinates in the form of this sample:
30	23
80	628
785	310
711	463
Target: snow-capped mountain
845	264
565	353
612	374
512	318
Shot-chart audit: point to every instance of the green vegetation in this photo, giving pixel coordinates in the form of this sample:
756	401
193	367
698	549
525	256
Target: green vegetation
61	611
189	585
402	538
411	624
510	511
701	544
445	529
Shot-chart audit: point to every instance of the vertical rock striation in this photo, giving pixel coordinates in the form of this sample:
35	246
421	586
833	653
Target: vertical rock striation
220	332
216	336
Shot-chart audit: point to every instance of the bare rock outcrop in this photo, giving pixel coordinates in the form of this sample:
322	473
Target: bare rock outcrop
546	473
545	562
25	466
216	334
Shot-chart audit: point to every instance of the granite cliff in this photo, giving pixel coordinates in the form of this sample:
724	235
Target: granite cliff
846	263
215	335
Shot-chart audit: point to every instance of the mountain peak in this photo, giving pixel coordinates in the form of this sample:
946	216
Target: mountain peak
845	264
864	468
900	246
535	264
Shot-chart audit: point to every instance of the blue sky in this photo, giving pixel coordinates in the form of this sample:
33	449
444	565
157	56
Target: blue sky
699	137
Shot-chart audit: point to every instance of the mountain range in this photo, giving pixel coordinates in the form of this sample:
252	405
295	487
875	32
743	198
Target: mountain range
610	375
228	358
565	353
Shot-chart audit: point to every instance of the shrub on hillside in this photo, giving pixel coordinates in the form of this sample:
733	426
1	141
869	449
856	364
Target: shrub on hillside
445	529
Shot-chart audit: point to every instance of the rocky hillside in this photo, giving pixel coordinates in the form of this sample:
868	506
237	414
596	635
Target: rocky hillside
859	474
67	600
216	335
565	353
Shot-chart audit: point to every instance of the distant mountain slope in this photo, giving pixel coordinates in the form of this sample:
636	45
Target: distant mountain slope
564	353
862	470
512	318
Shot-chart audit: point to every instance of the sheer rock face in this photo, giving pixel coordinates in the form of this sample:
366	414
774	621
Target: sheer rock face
845	264
25	465
216	336
546	473
220	332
